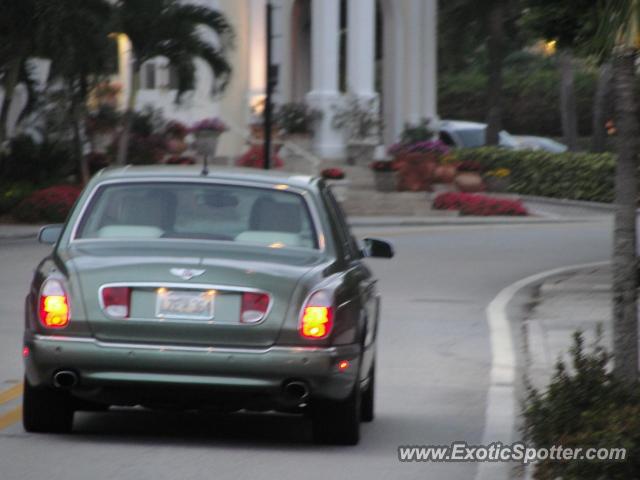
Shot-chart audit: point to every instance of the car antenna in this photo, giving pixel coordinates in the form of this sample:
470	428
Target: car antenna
205	167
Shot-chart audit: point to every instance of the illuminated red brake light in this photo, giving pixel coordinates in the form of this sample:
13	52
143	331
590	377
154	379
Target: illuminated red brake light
254	307
116	301
53	305
316	319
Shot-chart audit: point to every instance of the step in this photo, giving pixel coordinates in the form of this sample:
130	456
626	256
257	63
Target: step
368	203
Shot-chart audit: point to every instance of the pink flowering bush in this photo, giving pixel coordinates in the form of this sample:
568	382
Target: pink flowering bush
478	205
51	204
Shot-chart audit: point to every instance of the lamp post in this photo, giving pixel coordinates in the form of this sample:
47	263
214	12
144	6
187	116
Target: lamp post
271	81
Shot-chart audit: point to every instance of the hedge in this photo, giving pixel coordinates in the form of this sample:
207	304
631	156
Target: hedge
574	176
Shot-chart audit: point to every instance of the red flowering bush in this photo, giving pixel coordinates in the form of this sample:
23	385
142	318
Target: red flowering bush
479	205
175	129
254	158
51	204
333	173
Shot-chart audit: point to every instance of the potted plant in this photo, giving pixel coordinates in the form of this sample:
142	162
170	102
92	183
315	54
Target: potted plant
469	177
417	156
446	171
295	120
498	180
206	133
335	178
385	175
360	121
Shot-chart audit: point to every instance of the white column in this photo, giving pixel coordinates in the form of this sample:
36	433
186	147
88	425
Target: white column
325	24
257	53
361	43
413	62
430	62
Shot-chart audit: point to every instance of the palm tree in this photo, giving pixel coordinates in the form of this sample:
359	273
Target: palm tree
18	22
618	36
75	36
172	30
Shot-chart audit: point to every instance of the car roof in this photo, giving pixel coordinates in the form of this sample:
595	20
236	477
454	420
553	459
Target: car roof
460	124
177	172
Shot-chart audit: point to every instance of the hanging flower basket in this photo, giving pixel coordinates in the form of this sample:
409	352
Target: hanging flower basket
206	142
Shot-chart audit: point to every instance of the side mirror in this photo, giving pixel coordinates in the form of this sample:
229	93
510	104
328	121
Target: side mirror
49	234
377	248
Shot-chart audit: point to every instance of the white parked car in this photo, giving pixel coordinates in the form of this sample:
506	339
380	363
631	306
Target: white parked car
462	134
530	142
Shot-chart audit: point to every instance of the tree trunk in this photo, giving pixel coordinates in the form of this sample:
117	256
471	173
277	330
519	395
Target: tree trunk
9	85
625	314
78	147
495	47
601	108
123	144
568	109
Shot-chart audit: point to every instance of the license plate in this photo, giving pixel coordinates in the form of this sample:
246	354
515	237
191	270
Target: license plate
197	305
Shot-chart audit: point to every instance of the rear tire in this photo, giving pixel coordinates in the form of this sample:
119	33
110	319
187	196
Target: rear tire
45	410
337	422
368	397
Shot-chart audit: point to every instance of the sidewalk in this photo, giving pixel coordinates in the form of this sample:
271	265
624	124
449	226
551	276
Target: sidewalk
17	231
562	304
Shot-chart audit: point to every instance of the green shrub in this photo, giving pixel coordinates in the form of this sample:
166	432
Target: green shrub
12	194
585	408
531	102
575	176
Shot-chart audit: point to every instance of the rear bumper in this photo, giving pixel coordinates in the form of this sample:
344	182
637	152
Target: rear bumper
104	368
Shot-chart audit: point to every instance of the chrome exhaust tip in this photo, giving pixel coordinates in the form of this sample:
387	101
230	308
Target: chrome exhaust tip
65	379
295	391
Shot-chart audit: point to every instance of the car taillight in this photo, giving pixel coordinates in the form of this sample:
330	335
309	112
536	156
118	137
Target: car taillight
116	301
53	305
254	307
316	319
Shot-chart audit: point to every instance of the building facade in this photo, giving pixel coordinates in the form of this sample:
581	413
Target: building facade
382	49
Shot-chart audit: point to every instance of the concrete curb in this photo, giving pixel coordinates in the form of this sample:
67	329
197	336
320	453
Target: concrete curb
462	221
501	398
563	202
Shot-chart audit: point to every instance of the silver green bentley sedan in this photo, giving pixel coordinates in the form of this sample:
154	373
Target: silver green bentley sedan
227	290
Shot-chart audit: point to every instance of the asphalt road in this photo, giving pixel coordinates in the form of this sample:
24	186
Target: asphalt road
433	366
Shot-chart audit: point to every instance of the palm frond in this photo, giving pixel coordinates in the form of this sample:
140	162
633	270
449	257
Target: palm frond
213	19
618	26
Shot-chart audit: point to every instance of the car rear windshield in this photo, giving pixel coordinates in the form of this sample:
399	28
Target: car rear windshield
195	211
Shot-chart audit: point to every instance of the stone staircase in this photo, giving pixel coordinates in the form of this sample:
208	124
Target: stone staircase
363	199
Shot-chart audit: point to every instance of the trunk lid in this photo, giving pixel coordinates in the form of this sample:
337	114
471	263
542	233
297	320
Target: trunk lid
153	270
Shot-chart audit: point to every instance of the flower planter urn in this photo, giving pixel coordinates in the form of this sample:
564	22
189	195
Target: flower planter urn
444	173
470	182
